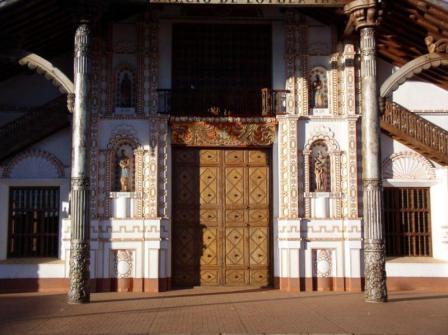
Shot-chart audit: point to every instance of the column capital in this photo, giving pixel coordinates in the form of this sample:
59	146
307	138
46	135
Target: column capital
88	10
362	14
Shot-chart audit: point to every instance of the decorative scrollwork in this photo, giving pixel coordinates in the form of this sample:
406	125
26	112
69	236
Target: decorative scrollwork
223	134
439	46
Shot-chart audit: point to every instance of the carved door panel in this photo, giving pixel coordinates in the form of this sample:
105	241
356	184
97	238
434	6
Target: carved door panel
247	214
209	217
221	217
185	218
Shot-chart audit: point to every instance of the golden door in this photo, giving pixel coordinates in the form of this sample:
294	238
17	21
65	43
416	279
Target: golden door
221	217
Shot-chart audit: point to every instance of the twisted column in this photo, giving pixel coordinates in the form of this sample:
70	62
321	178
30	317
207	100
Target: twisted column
79	291
364	15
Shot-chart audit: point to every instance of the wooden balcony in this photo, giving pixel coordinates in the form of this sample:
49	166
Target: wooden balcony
237	103
416	132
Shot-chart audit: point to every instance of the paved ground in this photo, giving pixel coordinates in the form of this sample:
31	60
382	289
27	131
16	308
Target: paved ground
224	310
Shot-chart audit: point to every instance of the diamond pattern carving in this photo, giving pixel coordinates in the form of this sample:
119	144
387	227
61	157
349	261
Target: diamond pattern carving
221	217
234	185
258	186
210	247
235	246
259	278
259	217
208	185
210	277
258	157
184	253
185	186
258	246
209	157
208	217
235	217
235	277
234	157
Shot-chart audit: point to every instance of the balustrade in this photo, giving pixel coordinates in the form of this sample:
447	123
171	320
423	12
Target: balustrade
239	103
421	134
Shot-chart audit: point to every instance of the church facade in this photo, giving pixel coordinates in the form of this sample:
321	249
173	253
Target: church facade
228	146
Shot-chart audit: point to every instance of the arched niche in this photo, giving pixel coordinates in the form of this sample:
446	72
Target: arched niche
125	81
122	148
322	148
318	89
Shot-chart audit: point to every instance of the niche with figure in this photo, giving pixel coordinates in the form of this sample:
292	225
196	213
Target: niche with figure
320	169
318	88
124	163
322	164
125	91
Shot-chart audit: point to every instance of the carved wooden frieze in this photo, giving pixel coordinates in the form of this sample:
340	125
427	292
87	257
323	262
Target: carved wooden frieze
237	133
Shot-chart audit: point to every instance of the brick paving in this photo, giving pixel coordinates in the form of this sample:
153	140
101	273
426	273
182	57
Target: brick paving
224	311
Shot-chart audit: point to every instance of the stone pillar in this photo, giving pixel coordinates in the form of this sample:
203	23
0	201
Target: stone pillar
79	291
364	15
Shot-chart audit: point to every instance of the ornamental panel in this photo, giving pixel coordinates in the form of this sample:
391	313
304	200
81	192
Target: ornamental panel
236	134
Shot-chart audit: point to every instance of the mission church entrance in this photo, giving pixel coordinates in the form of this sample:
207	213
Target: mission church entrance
221	197
221	217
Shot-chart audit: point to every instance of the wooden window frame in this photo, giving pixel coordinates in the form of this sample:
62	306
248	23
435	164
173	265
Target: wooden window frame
407	219
38	236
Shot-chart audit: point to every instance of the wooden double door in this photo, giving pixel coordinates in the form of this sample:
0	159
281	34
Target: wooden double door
221	217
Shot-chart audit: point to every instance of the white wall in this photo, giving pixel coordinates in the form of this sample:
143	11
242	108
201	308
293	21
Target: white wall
416	95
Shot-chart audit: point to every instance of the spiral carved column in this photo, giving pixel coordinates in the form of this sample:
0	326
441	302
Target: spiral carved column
79	290
364	14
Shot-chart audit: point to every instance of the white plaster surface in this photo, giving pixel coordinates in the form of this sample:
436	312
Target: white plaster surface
394	269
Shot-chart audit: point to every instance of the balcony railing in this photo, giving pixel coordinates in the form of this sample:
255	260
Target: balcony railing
417	132
239	103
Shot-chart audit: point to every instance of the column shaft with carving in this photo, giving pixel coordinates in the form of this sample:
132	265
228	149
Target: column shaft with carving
364	14
374	247
79	291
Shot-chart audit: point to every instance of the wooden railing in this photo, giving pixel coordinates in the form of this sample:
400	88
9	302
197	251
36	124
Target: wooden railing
241	103
35	125
413	130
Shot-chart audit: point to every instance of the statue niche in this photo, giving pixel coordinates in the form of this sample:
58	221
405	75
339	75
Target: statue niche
124	169
125	91
320	168
319	90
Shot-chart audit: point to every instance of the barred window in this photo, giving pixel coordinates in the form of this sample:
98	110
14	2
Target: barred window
407	221
33	222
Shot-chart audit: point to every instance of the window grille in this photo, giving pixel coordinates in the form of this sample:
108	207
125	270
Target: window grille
33	222
408	221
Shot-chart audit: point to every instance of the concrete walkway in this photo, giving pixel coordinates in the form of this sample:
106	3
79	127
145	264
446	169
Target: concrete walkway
224	310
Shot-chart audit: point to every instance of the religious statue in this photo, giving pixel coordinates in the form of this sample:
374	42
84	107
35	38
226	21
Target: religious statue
124	164
318	93
320	172
125	91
